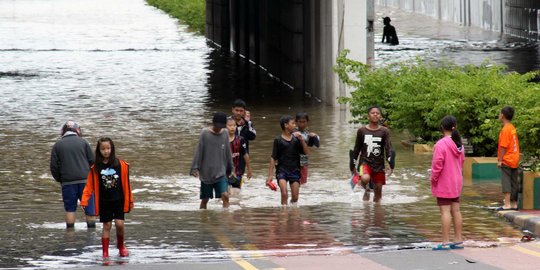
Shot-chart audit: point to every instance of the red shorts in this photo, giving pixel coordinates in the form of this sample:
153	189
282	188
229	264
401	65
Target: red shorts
303	174
376	177
447	201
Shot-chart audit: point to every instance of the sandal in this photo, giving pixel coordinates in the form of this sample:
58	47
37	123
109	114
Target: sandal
441	247
456	245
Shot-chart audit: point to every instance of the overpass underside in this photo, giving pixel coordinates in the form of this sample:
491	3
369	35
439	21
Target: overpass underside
286	38
295	41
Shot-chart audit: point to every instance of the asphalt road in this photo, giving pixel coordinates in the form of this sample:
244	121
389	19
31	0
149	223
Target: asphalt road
519	256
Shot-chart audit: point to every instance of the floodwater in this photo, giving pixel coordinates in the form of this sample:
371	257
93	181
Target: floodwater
126	70
422	36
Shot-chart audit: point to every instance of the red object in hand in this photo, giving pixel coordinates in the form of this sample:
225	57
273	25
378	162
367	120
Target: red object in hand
355	179
272	186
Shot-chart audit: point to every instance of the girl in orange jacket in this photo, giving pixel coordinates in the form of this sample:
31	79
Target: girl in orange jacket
108	179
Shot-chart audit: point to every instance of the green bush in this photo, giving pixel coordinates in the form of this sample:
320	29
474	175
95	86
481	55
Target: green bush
416	95
191	12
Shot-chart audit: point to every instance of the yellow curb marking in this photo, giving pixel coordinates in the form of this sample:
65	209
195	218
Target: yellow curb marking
224	241
526	251
244	264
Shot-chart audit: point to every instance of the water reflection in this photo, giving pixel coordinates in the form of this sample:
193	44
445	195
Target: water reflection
125	70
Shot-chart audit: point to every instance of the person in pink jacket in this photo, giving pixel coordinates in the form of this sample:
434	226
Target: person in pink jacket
447	181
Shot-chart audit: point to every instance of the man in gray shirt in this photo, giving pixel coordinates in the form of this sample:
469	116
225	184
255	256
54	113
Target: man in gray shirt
71	157
212	160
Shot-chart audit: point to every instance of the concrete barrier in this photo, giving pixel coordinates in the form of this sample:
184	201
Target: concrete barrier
480	169
531	191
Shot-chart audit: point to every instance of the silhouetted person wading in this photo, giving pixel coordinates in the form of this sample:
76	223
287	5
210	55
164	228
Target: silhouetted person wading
389	32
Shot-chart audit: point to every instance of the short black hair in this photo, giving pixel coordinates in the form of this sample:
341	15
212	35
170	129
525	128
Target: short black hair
284	120
301	115
374	107
508	112
239	103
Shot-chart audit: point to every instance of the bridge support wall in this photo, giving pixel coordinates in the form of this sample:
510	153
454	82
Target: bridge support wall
295	41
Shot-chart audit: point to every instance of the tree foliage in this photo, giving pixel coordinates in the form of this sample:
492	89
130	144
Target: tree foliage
191	12
416	95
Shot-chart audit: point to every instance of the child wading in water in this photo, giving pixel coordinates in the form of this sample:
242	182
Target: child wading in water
240	156
447	181
372	144
212	160
311	138
285	159
108	179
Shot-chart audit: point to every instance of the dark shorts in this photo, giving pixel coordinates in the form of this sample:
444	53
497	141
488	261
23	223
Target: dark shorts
447	201
375	177
207	190
110	210
510	182
73	193
235	181
509	179
289	176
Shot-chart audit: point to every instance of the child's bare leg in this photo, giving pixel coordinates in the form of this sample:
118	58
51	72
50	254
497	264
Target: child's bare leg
456	215
204	203
106	233
446	219
225	199
378	193
283	188
295	191
364	181
119	225
506	200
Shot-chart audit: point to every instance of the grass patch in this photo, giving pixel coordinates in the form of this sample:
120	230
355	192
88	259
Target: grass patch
191	12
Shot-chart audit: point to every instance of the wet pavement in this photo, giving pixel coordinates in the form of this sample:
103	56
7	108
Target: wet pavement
517	256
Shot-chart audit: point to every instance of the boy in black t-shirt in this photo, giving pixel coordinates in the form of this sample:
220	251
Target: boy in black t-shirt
286	159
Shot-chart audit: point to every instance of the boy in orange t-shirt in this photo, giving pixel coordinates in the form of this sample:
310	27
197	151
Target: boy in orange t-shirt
508	159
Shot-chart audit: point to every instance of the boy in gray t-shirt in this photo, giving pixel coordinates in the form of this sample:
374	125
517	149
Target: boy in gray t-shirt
212	160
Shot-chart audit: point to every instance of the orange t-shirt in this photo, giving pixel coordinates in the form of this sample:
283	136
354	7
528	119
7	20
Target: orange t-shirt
508	139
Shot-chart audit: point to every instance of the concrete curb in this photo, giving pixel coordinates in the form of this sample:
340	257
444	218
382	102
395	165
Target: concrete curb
527	221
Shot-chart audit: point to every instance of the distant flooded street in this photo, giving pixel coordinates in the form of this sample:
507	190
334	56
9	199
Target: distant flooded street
128	71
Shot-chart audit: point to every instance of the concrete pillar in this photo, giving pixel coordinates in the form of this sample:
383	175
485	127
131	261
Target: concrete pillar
354	31
334	29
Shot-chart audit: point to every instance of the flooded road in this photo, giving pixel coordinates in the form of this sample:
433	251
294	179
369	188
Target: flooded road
430	39
126	70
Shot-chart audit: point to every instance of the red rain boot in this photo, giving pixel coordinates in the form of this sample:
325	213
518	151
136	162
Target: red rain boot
105	247
121	246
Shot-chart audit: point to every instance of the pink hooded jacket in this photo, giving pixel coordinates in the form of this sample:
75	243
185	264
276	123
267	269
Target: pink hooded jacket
447	169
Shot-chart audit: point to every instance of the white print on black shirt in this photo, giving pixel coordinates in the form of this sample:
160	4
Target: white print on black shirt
109	178
373	146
